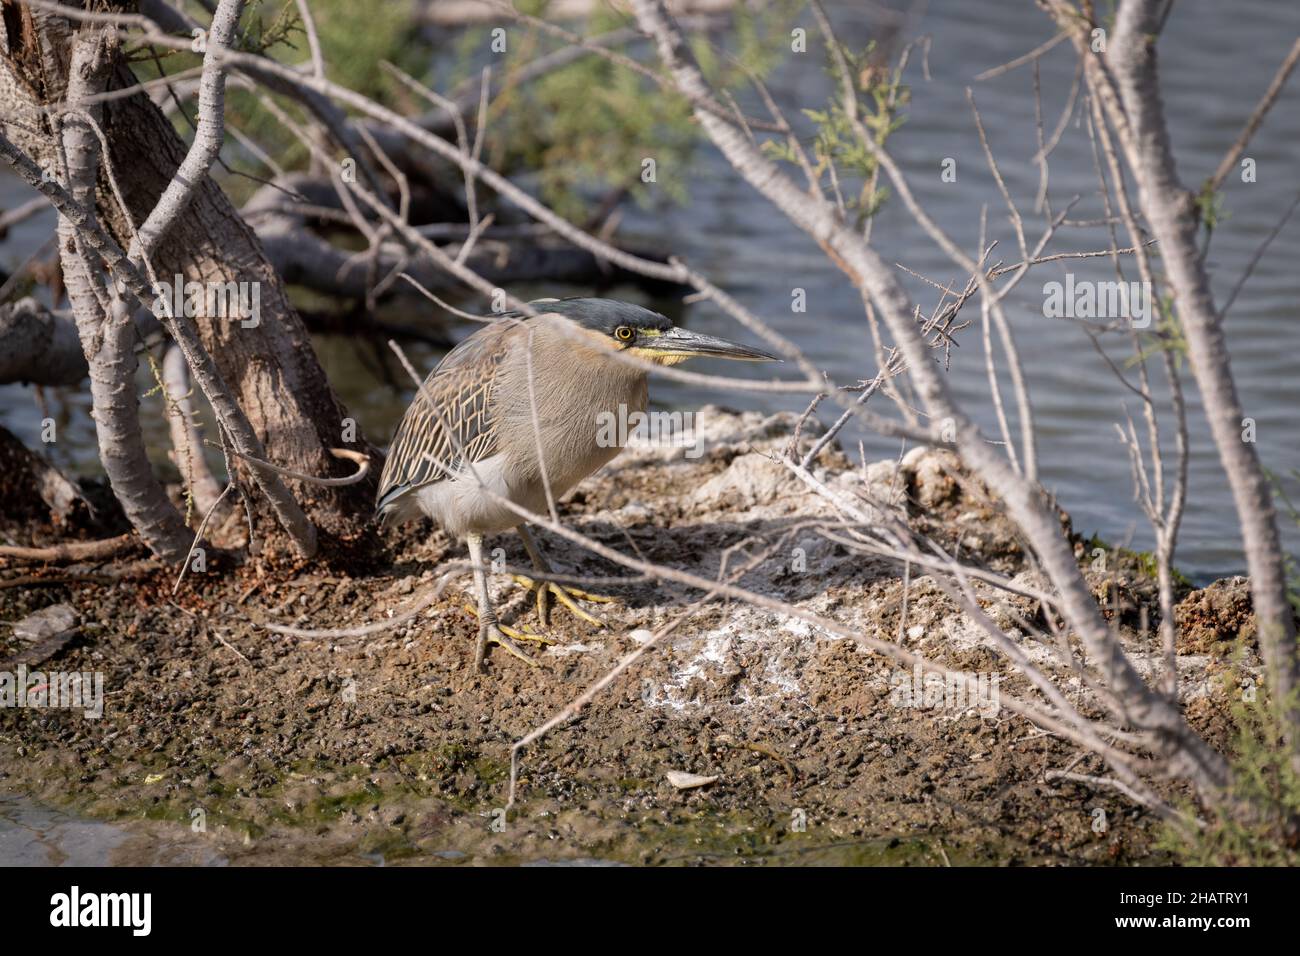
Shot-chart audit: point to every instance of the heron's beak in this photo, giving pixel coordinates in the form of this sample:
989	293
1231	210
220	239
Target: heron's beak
679	344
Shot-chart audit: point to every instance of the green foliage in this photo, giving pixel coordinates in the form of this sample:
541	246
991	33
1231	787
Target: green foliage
588	128
1144	563
261	30
1209	207
1260	824
259	35
354	38
1167	336
585	129
880	97
1149	565
1267	831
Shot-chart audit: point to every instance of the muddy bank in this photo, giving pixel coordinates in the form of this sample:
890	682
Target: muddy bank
250	747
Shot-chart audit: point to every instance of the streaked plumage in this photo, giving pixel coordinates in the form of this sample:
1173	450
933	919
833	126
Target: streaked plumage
520	399
472	424
450	419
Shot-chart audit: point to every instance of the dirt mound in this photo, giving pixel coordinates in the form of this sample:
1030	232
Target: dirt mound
281	749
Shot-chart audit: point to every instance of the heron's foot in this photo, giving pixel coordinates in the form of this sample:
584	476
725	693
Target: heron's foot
521	633
566	595
505	637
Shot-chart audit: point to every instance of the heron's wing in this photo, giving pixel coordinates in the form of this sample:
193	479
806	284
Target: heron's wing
449	422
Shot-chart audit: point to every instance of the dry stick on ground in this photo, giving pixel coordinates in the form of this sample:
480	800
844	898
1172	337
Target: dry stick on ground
574	707
57	580
198	535
1031	710
1026	505
1094	781
364	630
960	592
72	550
347	454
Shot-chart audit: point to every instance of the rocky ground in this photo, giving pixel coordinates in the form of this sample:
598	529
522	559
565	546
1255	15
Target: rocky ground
221	740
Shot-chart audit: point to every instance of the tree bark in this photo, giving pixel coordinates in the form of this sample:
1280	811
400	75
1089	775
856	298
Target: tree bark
39	346
105	326
270	366
33	490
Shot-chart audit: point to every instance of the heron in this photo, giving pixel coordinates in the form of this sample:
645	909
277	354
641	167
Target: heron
517	407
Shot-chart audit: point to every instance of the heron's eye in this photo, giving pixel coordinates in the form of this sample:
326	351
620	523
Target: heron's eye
624	334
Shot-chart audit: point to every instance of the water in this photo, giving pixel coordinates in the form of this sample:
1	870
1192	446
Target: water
1216	60
32	834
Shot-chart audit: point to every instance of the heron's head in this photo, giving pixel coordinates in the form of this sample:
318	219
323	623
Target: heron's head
647	335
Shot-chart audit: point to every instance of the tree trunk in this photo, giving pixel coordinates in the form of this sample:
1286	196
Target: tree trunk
1171	211
267	360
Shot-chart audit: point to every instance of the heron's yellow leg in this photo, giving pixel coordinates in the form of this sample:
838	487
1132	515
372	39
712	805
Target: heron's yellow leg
566	595
489	630
496	635
524	633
